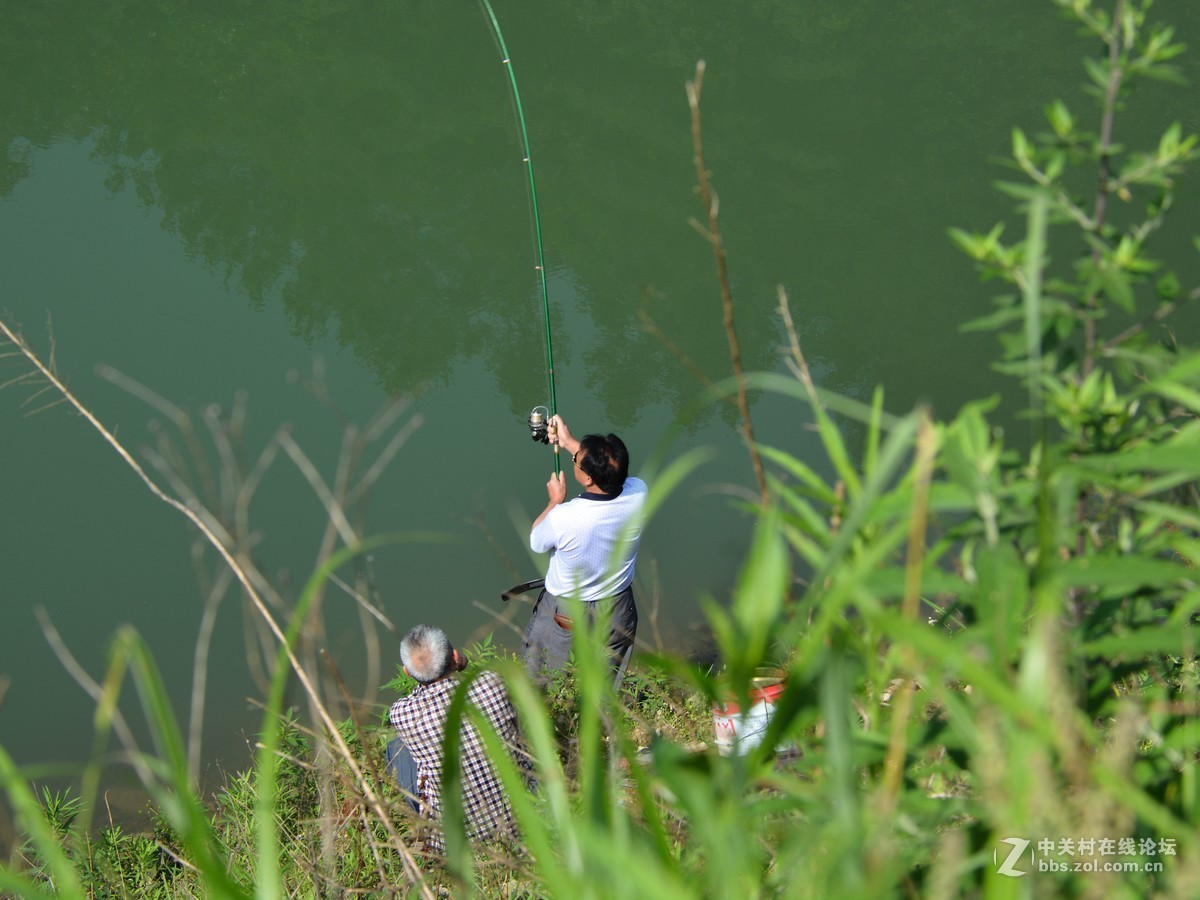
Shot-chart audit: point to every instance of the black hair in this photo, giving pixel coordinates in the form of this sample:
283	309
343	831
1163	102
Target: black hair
605	460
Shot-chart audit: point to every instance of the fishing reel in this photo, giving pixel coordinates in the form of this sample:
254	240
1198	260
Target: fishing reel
539	424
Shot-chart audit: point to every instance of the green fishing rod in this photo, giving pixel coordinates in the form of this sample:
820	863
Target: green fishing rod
539	417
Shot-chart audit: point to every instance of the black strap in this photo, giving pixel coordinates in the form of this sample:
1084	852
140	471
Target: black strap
523	588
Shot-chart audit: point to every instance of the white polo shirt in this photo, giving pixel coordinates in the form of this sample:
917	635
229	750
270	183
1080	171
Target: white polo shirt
593	542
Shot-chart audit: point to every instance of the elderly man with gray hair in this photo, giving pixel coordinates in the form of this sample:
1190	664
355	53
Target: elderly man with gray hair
415	755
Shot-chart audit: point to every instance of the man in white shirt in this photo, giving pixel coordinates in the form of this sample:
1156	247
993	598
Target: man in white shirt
593	543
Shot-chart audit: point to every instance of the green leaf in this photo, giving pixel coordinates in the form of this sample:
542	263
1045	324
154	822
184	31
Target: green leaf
1181	394
836	703
800	471
893	453
969	243
1168	74
677	471
1001	598
789	387
1125	644
545	824
1097	71
874	427
994	321
33	823
1060	120
1149	458
803	514
1118	287
762	586
1120	574
1168	286
1018	189
889	583
1020	146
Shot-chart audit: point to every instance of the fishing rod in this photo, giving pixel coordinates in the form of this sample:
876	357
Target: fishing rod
539	418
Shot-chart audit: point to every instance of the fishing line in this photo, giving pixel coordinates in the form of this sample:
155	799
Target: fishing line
540	265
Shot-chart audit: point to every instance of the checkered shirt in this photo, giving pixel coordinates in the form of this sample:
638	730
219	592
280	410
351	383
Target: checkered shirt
420	719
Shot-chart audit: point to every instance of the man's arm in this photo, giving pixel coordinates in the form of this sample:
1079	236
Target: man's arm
556	490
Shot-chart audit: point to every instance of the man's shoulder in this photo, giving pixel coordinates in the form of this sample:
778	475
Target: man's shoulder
420	699
488	691
404	710
634	491
487	680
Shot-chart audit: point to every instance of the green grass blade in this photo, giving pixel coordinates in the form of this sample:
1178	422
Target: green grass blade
29	814
896	449
13	885
874	426
454	822
267	877
176	797
528	810
550	835
1031	296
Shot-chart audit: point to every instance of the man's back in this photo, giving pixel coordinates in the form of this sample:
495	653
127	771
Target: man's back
595	541
420	720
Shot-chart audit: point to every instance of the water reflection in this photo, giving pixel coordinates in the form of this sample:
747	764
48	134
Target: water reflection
360	166
351	172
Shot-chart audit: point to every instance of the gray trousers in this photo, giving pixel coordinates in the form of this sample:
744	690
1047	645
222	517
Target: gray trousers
404	768
547	644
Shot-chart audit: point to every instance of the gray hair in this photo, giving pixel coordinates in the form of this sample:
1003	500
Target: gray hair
426	653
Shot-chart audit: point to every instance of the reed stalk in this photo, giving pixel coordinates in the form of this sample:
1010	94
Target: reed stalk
712	233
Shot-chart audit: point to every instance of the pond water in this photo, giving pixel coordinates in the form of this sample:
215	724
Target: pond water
209	197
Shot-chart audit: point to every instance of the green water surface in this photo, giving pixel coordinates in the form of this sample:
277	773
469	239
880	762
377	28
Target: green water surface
207	196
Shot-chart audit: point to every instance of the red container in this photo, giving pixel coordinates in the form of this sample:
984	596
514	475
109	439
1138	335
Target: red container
739	730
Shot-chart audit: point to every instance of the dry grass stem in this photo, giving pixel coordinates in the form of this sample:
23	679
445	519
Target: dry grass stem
655	604
208	621
796	363
505	618
651	328
20	379
712	206
174	414
337	516
363	601
398	440
104	704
